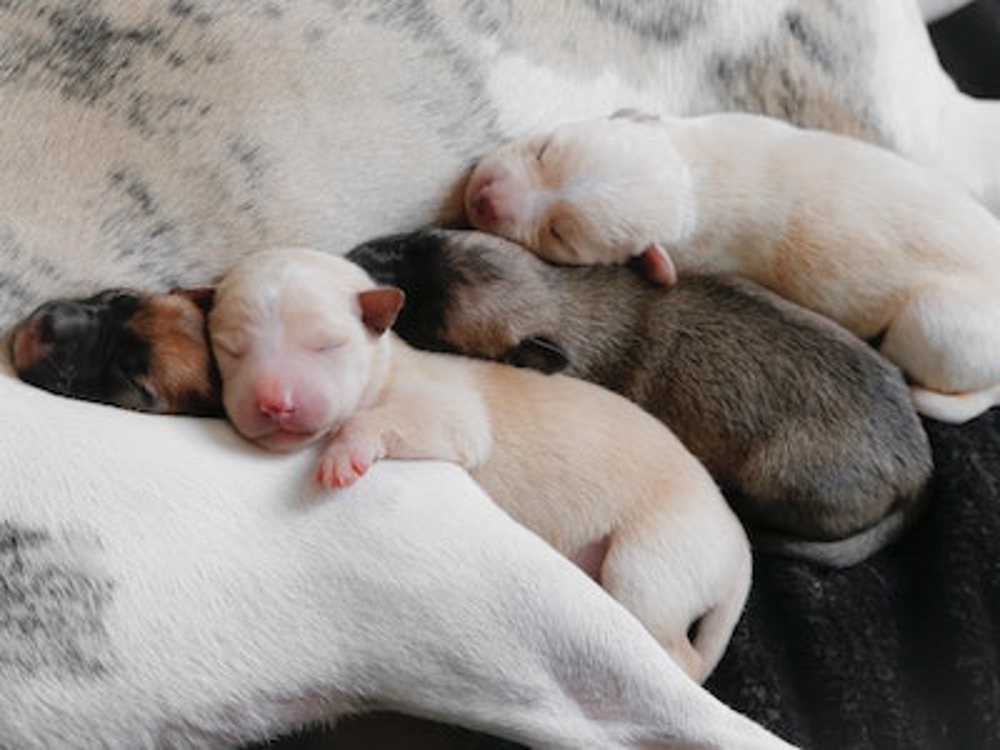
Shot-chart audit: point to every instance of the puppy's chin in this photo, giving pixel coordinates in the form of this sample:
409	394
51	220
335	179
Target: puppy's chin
285	441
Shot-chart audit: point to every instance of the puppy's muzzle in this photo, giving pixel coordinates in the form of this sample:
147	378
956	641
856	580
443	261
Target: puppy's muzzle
49	327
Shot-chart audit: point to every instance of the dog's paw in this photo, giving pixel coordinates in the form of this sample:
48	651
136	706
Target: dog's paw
344	462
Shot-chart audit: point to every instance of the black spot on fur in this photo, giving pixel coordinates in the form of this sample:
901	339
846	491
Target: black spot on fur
810	40
83	51
415	263
813	70
53	598
665	22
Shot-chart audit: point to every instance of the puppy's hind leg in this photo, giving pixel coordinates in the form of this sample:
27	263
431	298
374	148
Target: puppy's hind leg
685	578
947	340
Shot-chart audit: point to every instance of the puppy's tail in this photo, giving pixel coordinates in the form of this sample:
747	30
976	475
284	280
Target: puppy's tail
842	553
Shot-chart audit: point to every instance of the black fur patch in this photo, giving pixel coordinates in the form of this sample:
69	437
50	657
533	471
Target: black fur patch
94	354
53	599
413	262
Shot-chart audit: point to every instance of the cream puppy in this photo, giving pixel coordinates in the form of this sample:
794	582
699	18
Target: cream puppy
845	228
305	356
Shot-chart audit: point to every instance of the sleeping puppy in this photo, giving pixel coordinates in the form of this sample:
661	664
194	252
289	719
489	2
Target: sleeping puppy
809	424
842	227
144	352
305	357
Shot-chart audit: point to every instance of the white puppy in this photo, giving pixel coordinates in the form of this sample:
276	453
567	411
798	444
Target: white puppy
845	228
304	356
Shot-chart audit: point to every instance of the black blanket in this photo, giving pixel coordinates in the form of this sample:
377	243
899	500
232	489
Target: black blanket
902	651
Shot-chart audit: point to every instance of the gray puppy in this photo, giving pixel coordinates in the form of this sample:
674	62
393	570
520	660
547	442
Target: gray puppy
812	432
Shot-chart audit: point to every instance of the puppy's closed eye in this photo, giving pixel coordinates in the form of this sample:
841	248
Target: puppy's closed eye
229	347
324	344
538	353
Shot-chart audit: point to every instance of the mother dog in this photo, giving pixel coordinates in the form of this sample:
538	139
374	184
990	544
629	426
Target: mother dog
151	144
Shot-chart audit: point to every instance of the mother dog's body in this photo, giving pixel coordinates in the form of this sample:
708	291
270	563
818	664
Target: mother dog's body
153	143
149	144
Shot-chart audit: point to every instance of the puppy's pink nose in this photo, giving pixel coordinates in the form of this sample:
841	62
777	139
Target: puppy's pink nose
27	346
274	399
484	210
489	206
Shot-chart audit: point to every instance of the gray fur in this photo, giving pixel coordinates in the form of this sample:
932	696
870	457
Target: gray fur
668	23
53	597
808	423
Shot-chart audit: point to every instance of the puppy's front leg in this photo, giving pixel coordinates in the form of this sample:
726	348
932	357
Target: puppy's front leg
422	423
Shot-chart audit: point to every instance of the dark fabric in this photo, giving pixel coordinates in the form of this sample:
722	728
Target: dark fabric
902	651
968	45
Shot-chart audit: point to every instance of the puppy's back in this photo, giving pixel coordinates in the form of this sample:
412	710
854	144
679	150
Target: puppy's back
803	417
601	455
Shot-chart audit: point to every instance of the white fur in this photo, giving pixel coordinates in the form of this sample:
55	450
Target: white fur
850	230
659	535
246	601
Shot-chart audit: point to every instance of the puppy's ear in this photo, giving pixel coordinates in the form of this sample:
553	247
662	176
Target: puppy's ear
635	115
202	296
379	307
655	263
538	353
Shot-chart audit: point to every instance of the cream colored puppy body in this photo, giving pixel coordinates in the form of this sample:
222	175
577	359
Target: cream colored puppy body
845	228
599	479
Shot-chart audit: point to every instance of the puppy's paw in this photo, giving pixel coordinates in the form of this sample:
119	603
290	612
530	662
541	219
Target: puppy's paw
345	461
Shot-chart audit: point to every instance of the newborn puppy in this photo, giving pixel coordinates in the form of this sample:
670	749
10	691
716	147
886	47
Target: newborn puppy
305	356
813	428
144	352
842	227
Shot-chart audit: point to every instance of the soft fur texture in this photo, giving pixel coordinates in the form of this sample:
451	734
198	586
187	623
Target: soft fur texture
151	144
851	231
813	429
304	356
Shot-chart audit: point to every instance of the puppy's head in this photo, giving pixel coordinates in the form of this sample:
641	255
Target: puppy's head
595	191
470	293
144	352
298	336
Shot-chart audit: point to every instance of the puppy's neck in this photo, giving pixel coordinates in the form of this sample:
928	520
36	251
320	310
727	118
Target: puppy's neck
598	332
383	364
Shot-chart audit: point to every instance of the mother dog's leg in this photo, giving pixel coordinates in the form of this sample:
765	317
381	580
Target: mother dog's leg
920	110
170	587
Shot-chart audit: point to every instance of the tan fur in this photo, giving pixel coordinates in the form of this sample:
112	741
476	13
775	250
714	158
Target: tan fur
580	466
180	362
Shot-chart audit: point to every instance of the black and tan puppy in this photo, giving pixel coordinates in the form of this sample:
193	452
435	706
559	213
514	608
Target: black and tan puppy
813	429
138	351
